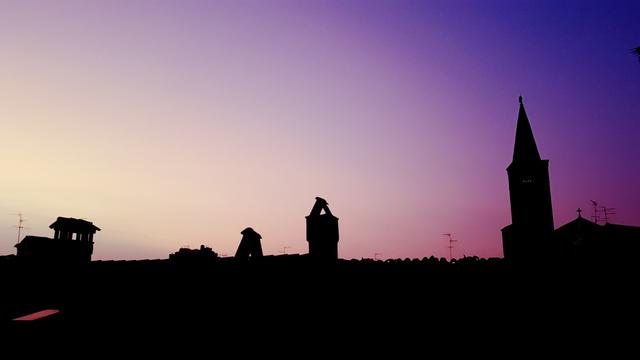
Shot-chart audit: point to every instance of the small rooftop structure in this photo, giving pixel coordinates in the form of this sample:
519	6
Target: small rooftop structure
72	242
249	245
201	254
322	231
66	228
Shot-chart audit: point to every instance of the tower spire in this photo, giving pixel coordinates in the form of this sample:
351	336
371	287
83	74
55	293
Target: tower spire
531	228
525	149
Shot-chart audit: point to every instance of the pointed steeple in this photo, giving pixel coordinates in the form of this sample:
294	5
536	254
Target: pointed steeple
530	234
525	149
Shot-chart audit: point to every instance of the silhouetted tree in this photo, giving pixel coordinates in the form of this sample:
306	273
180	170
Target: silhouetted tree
636	51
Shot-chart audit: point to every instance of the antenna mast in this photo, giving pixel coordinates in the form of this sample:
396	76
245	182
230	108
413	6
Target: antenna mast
601	212
596	212
19	226
451	241
607	211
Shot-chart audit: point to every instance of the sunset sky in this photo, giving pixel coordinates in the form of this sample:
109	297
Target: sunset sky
173	123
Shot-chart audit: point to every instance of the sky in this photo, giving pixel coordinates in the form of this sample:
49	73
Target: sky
180	123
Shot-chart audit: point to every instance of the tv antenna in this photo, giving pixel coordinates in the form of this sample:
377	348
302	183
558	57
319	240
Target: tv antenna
607	211
596	212
21	220
450	246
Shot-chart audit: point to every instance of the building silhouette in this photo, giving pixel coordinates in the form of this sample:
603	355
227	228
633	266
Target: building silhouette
584	239
72	242
250	246
322	231
531	229
204	253
531	234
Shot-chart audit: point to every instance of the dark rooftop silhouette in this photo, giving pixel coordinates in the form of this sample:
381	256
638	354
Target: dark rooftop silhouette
72	242
250	246
322	232
204	253
74	225
586	240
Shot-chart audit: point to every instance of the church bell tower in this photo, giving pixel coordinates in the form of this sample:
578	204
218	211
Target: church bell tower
531	228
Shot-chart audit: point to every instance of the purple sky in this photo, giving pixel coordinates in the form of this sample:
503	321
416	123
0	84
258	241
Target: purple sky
172	123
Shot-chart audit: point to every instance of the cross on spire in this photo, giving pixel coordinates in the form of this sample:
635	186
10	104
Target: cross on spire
579	211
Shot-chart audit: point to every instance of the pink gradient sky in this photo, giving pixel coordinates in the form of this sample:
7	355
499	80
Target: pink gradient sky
173	123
